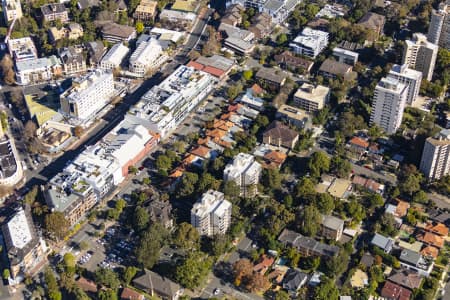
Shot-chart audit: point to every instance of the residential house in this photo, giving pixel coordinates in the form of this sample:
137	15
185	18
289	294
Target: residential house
382	242
280	135
288	60
369	184
129	294
413	260
437	228
359	279
407	279
431	239
273	79
71	31
337	187
374	23
333	69
307	246
156	285
261	25
177	20
392	291
233	15
274	159
72	60
95	50
161	212
358	146
264	264
293	281
86	285
55	11
367	260
430	252
146	10
332	227
116	33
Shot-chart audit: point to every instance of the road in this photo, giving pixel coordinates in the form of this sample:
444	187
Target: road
440	201
116	115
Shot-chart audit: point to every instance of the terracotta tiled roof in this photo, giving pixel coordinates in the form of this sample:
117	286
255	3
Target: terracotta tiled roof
372	185
393	291
216	133
178	172
257	89
431	239
201	151
86	285
402	208
264	264
234	107
359	142
129	294
359	180
437	228
214	71
276	157
430	251
195	65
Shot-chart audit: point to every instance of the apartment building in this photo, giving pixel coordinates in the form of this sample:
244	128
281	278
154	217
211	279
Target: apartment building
116	33
72	60
147	57
55	11
293	116
71	31
410	77
70	194
374	23
420	55
435	162
332	228
345	56
279	10
311	98
88	95
11	10
245	171
389	102
22	49
114	57
38	70
166	105
145	11
95	51
310	42
439	30
307	246
211	215
26	250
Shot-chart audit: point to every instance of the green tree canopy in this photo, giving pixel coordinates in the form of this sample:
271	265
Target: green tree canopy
192	272
309	220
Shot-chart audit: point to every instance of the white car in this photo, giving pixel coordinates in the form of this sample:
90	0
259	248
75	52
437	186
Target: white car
216	292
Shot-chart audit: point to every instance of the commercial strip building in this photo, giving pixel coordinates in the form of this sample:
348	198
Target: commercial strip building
166	105
310	42
439	29
114	57
147	57
311	98
410	77
245	171
11	10
419	54
435	161
88	95
389	102
211	215
26	250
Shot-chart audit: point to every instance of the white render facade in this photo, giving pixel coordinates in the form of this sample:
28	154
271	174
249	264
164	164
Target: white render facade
388	104
310	42
114	57
11	10
279	10
245	171
166	105
147	56
88	95
435	162
420	55
211	215
408	76
439	30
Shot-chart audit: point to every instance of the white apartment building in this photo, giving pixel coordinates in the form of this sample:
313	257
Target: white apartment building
279	10
410	77
345	56
147	56
245	171
310	42
212	214
439	30
114	57
22	49
389	102
435	161
420	55
11	10
311	98
88	95
38	70
166	105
